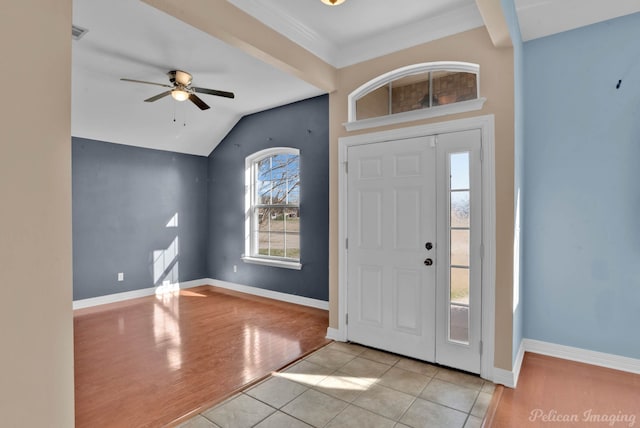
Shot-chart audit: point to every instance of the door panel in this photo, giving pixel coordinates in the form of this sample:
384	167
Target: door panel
387	232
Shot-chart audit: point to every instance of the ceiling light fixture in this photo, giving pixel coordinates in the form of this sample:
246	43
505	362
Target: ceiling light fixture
332	2
179	95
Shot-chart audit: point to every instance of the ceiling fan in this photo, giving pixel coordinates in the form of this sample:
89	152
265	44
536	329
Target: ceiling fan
181	89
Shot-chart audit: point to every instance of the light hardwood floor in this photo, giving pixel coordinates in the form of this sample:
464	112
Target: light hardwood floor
552	392
150	361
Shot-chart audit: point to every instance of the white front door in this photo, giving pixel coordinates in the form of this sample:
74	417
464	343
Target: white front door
414	242
391	216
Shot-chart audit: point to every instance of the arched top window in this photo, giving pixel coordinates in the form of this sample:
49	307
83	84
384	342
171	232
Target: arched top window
273	208
415	92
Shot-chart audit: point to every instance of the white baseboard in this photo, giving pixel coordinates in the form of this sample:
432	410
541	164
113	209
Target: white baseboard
276	295
335	334
601	359
611	361
134	294
509	378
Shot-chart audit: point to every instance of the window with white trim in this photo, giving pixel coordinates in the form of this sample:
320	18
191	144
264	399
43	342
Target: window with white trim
273	208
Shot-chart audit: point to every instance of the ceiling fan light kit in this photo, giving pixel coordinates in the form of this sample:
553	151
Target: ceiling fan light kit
333	2
180	89
179	95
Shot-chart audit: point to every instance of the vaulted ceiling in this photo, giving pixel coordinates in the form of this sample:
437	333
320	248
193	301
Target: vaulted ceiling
134	40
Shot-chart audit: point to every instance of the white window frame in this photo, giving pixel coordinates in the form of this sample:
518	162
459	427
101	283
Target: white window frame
250	224
460	107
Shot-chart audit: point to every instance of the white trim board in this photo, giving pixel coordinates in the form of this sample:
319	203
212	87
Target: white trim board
595	358
275	295
600	359
134	294
335	334
510	378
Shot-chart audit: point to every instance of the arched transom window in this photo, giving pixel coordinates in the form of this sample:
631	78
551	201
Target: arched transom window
415	92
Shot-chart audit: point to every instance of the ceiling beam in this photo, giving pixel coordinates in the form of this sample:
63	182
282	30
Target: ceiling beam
495	21
226	22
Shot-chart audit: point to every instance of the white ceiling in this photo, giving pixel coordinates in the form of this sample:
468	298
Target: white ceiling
128	38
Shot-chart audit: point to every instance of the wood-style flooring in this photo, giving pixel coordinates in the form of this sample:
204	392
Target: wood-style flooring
552	392
152	361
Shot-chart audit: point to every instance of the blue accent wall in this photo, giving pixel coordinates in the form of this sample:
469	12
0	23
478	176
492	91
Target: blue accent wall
519	185
303	125
138	211
582	176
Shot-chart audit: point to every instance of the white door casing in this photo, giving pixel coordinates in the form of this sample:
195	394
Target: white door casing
487	272
391	293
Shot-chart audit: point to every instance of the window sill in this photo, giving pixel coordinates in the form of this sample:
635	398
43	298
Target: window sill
271	262
409	116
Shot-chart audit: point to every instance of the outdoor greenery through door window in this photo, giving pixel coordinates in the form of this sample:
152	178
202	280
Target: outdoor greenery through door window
275	208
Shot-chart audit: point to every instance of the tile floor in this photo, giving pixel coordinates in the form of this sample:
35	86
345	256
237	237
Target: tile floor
346	385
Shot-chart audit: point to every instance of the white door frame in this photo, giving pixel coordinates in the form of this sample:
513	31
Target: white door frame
487	127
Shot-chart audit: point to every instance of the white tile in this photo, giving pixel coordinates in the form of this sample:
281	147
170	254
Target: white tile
281	420
415	366
385	401
276	391
365	368
305	372
341	387
355	417
481	405
423	414
198	422
330	358
450	395
459	378
488	387
473	422
404	381
380	356
350	348
241	411
314	408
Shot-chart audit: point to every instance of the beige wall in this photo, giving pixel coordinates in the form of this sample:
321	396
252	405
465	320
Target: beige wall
36	324
496	84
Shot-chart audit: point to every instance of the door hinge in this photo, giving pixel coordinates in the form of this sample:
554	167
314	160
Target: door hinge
481	347
346	319
346	243
481	154
481	251
346	167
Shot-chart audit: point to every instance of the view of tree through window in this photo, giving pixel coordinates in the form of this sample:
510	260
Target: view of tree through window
277	206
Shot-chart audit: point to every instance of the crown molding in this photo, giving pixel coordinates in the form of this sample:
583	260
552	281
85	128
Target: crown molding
446	24
279	20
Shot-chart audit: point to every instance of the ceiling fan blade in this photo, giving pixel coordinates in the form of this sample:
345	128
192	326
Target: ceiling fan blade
214	92
197	101
157	97
147	83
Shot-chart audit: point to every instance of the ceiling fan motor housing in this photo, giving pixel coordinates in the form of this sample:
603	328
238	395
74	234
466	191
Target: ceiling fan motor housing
179	78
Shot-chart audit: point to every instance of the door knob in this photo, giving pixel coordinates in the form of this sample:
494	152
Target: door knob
428	262
428	245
